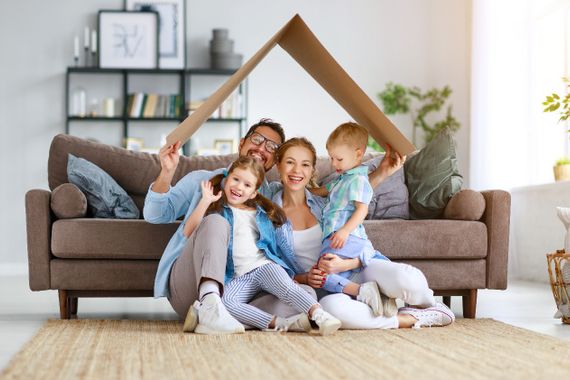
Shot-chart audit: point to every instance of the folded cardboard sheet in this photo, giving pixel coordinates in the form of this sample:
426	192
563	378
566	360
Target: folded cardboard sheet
298	40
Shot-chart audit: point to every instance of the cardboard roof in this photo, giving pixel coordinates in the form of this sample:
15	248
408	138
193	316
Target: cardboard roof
297	39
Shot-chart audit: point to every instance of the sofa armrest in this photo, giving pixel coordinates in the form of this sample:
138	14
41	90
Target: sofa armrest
497	218
38	230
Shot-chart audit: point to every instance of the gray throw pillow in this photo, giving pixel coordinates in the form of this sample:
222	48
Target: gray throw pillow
105	198
432	177
390	198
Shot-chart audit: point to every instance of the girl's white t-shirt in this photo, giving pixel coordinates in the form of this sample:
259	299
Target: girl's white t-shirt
307	245
245	253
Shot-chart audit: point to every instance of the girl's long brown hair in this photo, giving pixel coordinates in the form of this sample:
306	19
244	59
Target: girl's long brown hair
274	212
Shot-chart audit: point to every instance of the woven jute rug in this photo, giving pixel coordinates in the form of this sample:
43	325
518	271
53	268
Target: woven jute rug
126	349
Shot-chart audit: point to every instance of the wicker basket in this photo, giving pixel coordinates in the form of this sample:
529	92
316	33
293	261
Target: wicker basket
560	285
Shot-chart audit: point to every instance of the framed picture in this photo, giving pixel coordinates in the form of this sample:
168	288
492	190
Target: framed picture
128	40
224	146
171	31
207	152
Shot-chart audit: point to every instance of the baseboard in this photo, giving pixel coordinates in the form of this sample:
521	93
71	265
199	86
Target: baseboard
13	269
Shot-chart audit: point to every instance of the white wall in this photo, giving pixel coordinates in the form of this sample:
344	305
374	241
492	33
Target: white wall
414	42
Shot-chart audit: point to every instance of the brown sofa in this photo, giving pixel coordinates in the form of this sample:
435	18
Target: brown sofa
91	257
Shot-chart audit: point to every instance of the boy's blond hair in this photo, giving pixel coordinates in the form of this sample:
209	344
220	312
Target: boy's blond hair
350	134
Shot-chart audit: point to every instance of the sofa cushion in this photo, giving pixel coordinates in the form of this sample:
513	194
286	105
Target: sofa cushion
465	205
452	274
433	177
105	198
68	201
121	163
94	238
103	275
428	239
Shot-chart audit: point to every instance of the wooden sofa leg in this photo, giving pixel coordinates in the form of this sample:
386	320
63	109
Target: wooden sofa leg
64	309
73	305
447	301
470	304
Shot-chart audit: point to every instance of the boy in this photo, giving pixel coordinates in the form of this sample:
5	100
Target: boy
347	206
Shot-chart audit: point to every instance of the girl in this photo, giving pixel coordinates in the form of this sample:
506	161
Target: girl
255	262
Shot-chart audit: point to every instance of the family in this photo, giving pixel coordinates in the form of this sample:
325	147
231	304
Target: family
286	255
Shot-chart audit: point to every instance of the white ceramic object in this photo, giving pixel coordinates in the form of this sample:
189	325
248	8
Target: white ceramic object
564	215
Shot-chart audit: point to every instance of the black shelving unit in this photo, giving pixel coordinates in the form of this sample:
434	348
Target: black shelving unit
184	89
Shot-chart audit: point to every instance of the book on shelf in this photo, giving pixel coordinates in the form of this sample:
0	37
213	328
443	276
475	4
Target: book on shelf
142	105
231	108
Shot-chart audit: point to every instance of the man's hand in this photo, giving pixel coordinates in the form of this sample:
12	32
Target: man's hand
391	162
169	157
316	278
208	195
339	238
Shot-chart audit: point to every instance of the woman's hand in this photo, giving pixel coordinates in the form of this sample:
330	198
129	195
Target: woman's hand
169	157
316	278
208	195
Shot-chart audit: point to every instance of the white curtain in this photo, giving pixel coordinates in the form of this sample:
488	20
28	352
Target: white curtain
520	53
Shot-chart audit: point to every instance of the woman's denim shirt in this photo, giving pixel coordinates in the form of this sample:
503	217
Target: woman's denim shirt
268	243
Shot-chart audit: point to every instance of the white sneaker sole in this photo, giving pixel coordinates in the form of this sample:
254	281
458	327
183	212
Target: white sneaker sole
191	320
203	329
329	327
390	307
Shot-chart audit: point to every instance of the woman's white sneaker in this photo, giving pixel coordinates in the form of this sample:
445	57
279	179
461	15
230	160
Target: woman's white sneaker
326	322
438	315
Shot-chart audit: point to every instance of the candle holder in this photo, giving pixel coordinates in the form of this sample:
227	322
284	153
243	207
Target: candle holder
93	59
86	63
76	61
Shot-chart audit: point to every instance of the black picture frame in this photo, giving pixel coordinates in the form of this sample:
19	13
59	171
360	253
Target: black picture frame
128	39
172	29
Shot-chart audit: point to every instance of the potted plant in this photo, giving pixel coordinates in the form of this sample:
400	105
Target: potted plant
554	103
399	99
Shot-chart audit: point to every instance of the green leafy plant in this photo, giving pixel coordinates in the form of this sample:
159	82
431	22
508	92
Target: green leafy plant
553	102
563	161
399	99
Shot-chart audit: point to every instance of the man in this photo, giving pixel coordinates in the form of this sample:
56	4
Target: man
193	268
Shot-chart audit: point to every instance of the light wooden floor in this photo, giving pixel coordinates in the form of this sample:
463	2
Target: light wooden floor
22	312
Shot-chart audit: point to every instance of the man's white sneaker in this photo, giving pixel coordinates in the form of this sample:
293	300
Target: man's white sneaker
213	317
297	323
438	315
370	295
326	322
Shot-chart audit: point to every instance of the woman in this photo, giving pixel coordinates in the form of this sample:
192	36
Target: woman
296	160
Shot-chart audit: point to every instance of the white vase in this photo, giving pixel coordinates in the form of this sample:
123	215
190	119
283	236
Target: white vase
564	216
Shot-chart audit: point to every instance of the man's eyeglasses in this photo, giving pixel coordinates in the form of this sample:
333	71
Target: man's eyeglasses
257	139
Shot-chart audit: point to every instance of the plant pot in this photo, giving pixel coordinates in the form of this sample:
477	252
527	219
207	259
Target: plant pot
562	172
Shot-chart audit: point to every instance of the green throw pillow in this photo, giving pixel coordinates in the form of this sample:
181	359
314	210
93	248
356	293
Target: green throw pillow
432	177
